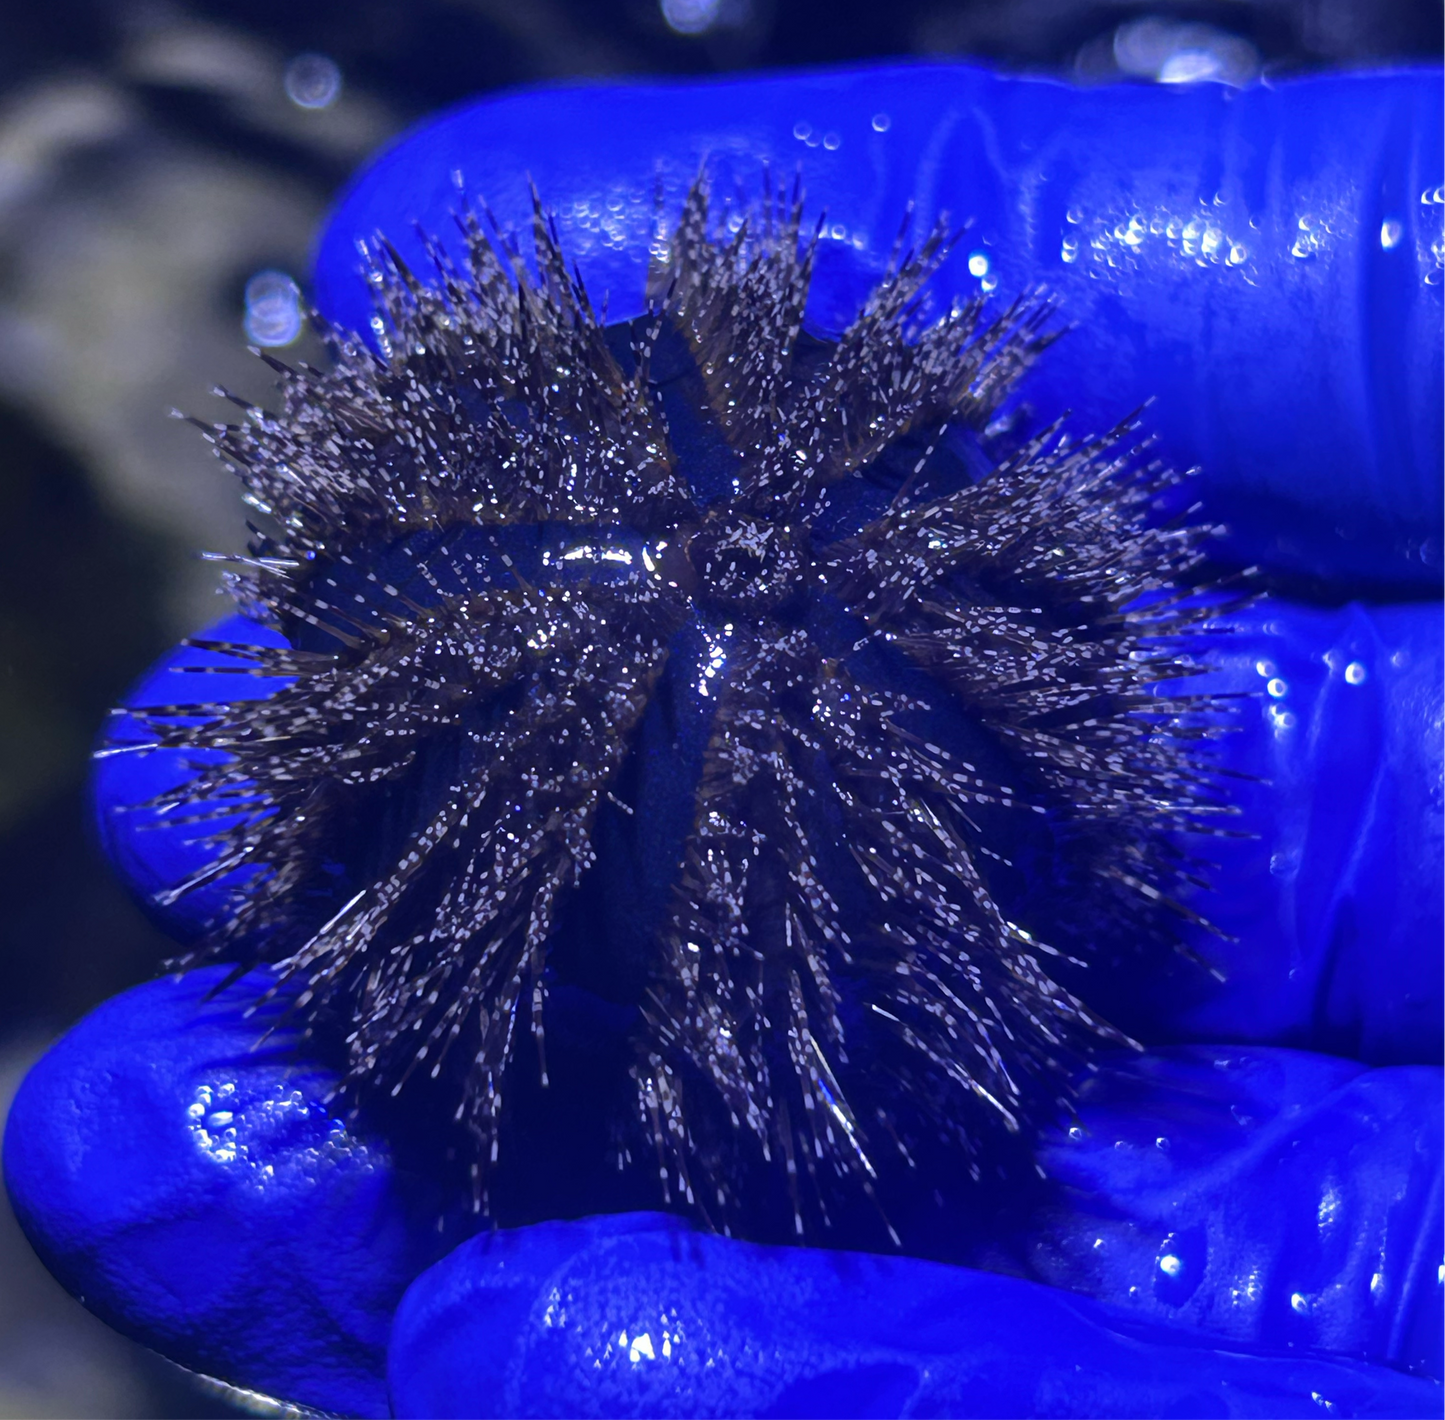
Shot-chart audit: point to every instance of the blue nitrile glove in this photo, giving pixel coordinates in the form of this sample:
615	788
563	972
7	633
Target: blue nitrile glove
1232	1230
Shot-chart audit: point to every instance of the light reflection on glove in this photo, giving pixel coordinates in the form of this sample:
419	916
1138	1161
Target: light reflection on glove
1291	332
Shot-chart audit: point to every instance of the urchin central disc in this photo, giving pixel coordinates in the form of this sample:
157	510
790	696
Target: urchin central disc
747	565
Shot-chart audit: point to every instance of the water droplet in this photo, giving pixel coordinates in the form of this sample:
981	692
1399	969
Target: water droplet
881	123
1238	254
1073	216
1077	1133
1355	673
802	130
832	142
1277	688
1299	1303
1162	1143
1390	233
1265	668
1179	1266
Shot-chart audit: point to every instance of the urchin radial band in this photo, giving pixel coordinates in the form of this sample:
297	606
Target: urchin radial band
532	568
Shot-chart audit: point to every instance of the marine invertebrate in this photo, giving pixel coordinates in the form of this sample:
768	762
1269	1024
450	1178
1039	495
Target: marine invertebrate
1345	812
706	664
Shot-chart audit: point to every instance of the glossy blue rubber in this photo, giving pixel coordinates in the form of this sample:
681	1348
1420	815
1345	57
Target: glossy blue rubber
198	1193
1291	332
1328	897
1275	1199
152	849
635	1316
1263	263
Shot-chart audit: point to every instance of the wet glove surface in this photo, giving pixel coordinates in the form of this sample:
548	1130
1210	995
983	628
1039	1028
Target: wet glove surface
187	1243
636	1316
198	1193
1190	232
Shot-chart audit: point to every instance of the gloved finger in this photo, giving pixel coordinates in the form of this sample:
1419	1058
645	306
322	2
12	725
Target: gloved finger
199	1194
155	846
1273	1198
634	1315
1276	939
1329	905
1264	263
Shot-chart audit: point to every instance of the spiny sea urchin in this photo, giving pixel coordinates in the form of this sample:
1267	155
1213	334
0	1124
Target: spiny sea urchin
713	667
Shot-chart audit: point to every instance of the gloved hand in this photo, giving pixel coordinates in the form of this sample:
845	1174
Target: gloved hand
1239	1228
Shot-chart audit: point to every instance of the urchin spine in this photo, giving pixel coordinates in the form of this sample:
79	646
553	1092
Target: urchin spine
485	541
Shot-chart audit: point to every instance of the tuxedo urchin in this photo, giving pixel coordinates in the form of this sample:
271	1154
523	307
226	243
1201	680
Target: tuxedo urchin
718	671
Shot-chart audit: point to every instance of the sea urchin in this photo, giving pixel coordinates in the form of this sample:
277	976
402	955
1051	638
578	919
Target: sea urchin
714	667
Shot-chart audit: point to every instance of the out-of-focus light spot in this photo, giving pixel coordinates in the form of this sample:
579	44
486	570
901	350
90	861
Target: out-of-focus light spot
881	123
978	263
273	308
312	81
1356	673
1390	233
1180	52
691	17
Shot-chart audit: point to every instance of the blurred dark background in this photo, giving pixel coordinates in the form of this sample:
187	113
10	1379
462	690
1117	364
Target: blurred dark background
163	169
